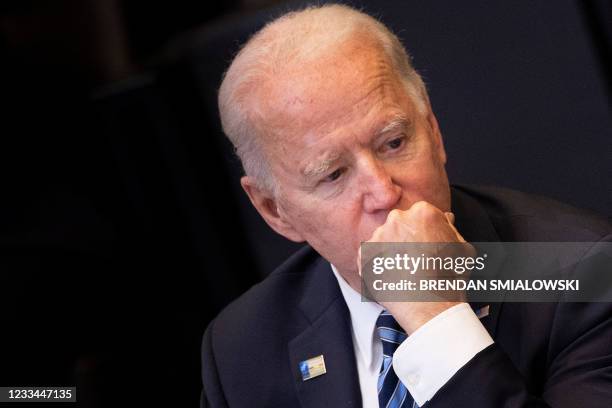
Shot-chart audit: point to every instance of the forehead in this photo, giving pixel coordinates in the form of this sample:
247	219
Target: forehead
356	82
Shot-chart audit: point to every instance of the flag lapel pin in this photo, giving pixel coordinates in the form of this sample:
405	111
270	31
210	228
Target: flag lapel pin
482	312
313	367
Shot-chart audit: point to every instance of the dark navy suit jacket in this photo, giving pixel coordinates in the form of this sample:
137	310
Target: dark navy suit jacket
544	355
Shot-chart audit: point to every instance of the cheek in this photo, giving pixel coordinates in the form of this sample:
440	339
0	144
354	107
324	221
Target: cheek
312	218
331	224
433	186
424	179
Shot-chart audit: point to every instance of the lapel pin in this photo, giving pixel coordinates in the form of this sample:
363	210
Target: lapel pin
482	312
313	367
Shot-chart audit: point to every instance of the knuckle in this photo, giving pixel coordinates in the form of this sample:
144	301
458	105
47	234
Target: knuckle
421	206
376	234
393	215
424	209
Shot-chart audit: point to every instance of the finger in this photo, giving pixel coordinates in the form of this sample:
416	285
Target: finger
459	236
450	217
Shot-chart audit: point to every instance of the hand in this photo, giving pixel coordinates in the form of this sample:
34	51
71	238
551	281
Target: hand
422	222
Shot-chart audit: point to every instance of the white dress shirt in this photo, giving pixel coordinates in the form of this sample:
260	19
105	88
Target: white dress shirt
426	360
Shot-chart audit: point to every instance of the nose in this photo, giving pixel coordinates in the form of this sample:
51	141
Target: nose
380	192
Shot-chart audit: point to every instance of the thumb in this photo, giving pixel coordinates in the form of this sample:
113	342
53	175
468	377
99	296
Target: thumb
450	217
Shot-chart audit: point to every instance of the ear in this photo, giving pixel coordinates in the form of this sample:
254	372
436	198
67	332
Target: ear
267	206
436	134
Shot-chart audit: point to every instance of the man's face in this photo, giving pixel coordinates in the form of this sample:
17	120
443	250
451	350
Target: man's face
346	145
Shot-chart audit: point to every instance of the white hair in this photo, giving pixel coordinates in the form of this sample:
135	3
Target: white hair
296	38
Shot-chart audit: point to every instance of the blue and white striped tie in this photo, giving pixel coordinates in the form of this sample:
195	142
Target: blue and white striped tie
391	392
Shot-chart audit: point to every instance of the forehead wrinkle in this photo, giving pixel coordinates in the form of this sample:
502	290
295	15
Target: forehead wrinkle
304	101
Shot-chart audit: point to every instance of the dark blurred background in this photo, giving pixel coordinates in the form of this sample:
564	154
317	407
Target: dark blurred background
123	229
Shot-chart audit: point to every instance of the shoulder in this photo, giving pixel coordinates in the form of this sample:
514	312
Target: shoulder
519	216
269	310
279	290
247	343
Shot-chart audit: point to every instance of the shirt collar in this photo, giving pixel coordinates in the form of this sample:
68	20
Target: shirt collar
363	318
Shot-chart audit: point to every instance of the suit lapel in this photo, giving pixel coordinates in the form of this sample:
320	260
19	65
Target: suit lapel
329	331
473	222
329	335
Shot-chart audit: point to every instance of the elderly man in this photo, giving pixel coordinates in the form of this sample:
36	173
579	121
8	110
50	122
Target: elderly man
340	146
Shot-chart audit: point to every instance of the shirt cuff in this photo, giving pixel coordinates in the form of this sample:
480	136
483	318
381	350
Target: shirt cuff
431	355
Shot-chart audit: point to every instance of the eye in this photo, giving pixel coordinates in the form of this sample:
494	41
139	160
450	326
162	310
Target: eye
333	176
396	143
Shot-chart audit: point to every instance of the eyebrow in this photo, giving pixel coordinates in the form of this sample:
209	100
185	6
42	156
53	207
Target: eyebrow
397	122
322	165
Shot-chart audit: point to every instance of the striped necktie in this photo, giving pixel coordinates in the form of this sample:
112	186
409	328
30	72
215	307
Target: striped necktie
391	392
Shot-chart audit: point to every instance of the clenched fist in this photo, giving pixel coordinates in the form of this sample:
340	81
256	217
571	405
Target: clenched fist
422	222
